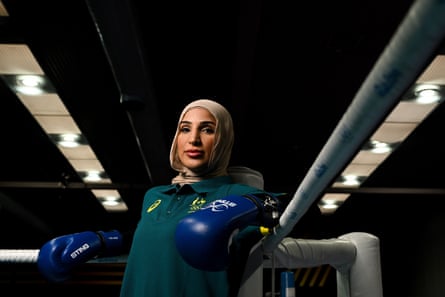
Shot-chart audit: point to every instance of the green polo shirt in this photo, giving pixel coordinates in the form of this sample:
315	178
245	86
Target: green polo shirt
154	267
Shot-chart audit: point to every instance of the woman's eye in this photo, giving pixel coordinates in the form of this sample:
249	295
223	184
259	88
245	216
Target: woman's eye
184	129
208	130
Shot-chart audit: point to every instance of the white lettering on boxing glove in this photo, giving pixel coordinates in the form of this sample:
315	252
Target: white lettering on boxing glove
80	250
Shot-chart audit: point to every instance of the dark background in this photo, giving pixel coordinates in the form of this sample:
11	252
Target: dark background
286	71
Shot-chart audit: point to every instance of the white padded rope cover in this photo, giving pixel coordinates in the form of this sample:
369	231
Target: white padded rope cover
18	256
364	278
299	253
355	256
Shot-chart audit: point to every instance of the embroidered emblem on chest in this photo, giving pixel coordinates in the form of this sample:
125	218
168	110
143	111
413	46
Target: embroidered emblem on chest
196	204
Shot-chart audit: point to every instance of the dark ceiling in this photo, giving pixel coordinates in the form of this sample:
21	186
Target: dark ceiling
287	72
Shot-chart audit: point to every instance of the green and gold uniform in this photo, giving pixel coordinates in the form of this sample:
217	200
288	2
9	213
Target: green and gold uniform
154	267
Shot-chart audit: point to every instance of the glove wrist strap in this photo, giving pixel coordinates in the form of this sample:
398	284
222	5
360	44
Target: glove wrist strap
103	245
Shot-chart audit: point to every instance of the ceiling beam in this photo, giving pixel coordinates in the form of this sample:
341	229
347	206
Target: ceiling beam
117	26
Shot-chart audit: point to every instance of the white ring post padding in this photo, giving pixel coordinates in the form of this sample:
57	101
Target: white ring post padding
300	253
252	280
18	256
403	59
364	279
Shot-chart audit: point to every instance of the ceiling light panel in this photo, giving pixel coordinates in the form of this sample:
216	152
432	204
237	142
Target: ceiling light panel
393	132
58	124
435	72
331	201
86	165
359	169
110	200
18	59
44	104
410	112
79	152
367	157
3	11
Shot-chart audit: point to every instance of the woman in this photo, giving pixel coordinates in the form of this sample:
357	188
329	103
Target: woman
200	153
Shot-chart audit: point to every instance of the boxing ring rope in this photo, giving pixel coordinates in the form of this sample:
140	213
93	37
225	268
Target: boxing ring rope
403	59
18	256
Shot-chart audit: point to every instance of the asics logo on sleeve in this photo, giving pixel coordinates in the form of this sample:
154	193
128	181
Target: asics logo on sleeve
154	205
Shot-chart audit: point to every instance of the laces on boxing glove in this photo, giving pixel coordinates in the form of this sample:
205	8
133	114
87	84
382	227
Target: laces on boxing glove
269	206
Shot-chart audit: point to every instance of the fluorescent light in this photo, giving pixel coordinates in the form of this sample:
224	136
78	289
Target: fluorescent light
110	200
427	93
23	75
68	140
331	202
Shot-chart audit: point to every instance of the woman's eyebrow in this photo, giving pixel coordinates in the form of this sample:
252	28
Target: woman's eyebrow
201	123
208	123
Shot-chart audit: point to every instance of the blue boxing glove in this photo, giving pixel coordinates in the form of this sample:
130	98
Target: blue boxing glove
203	238
60	255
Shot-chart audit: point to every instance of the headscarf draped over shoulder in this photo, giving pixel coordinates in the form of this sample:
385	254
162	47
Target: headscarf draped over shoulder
222	150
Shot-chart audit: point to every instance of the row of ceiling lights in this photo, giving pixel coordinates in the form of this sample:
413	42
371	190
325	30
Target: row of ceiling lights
426	94
37	94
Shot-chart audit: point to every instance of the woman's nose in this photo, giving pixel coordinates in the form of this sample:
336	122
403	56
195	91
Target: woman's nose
195	138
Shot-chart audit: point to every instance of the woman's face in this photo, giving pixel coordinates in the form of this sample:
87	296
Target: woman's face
196	138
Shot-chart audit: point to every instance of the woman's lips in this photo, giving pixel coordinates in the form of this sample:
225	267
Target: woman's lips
194	153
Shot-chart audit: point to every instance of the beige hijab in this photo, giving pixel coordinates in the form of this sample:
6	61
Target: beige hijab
222	150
